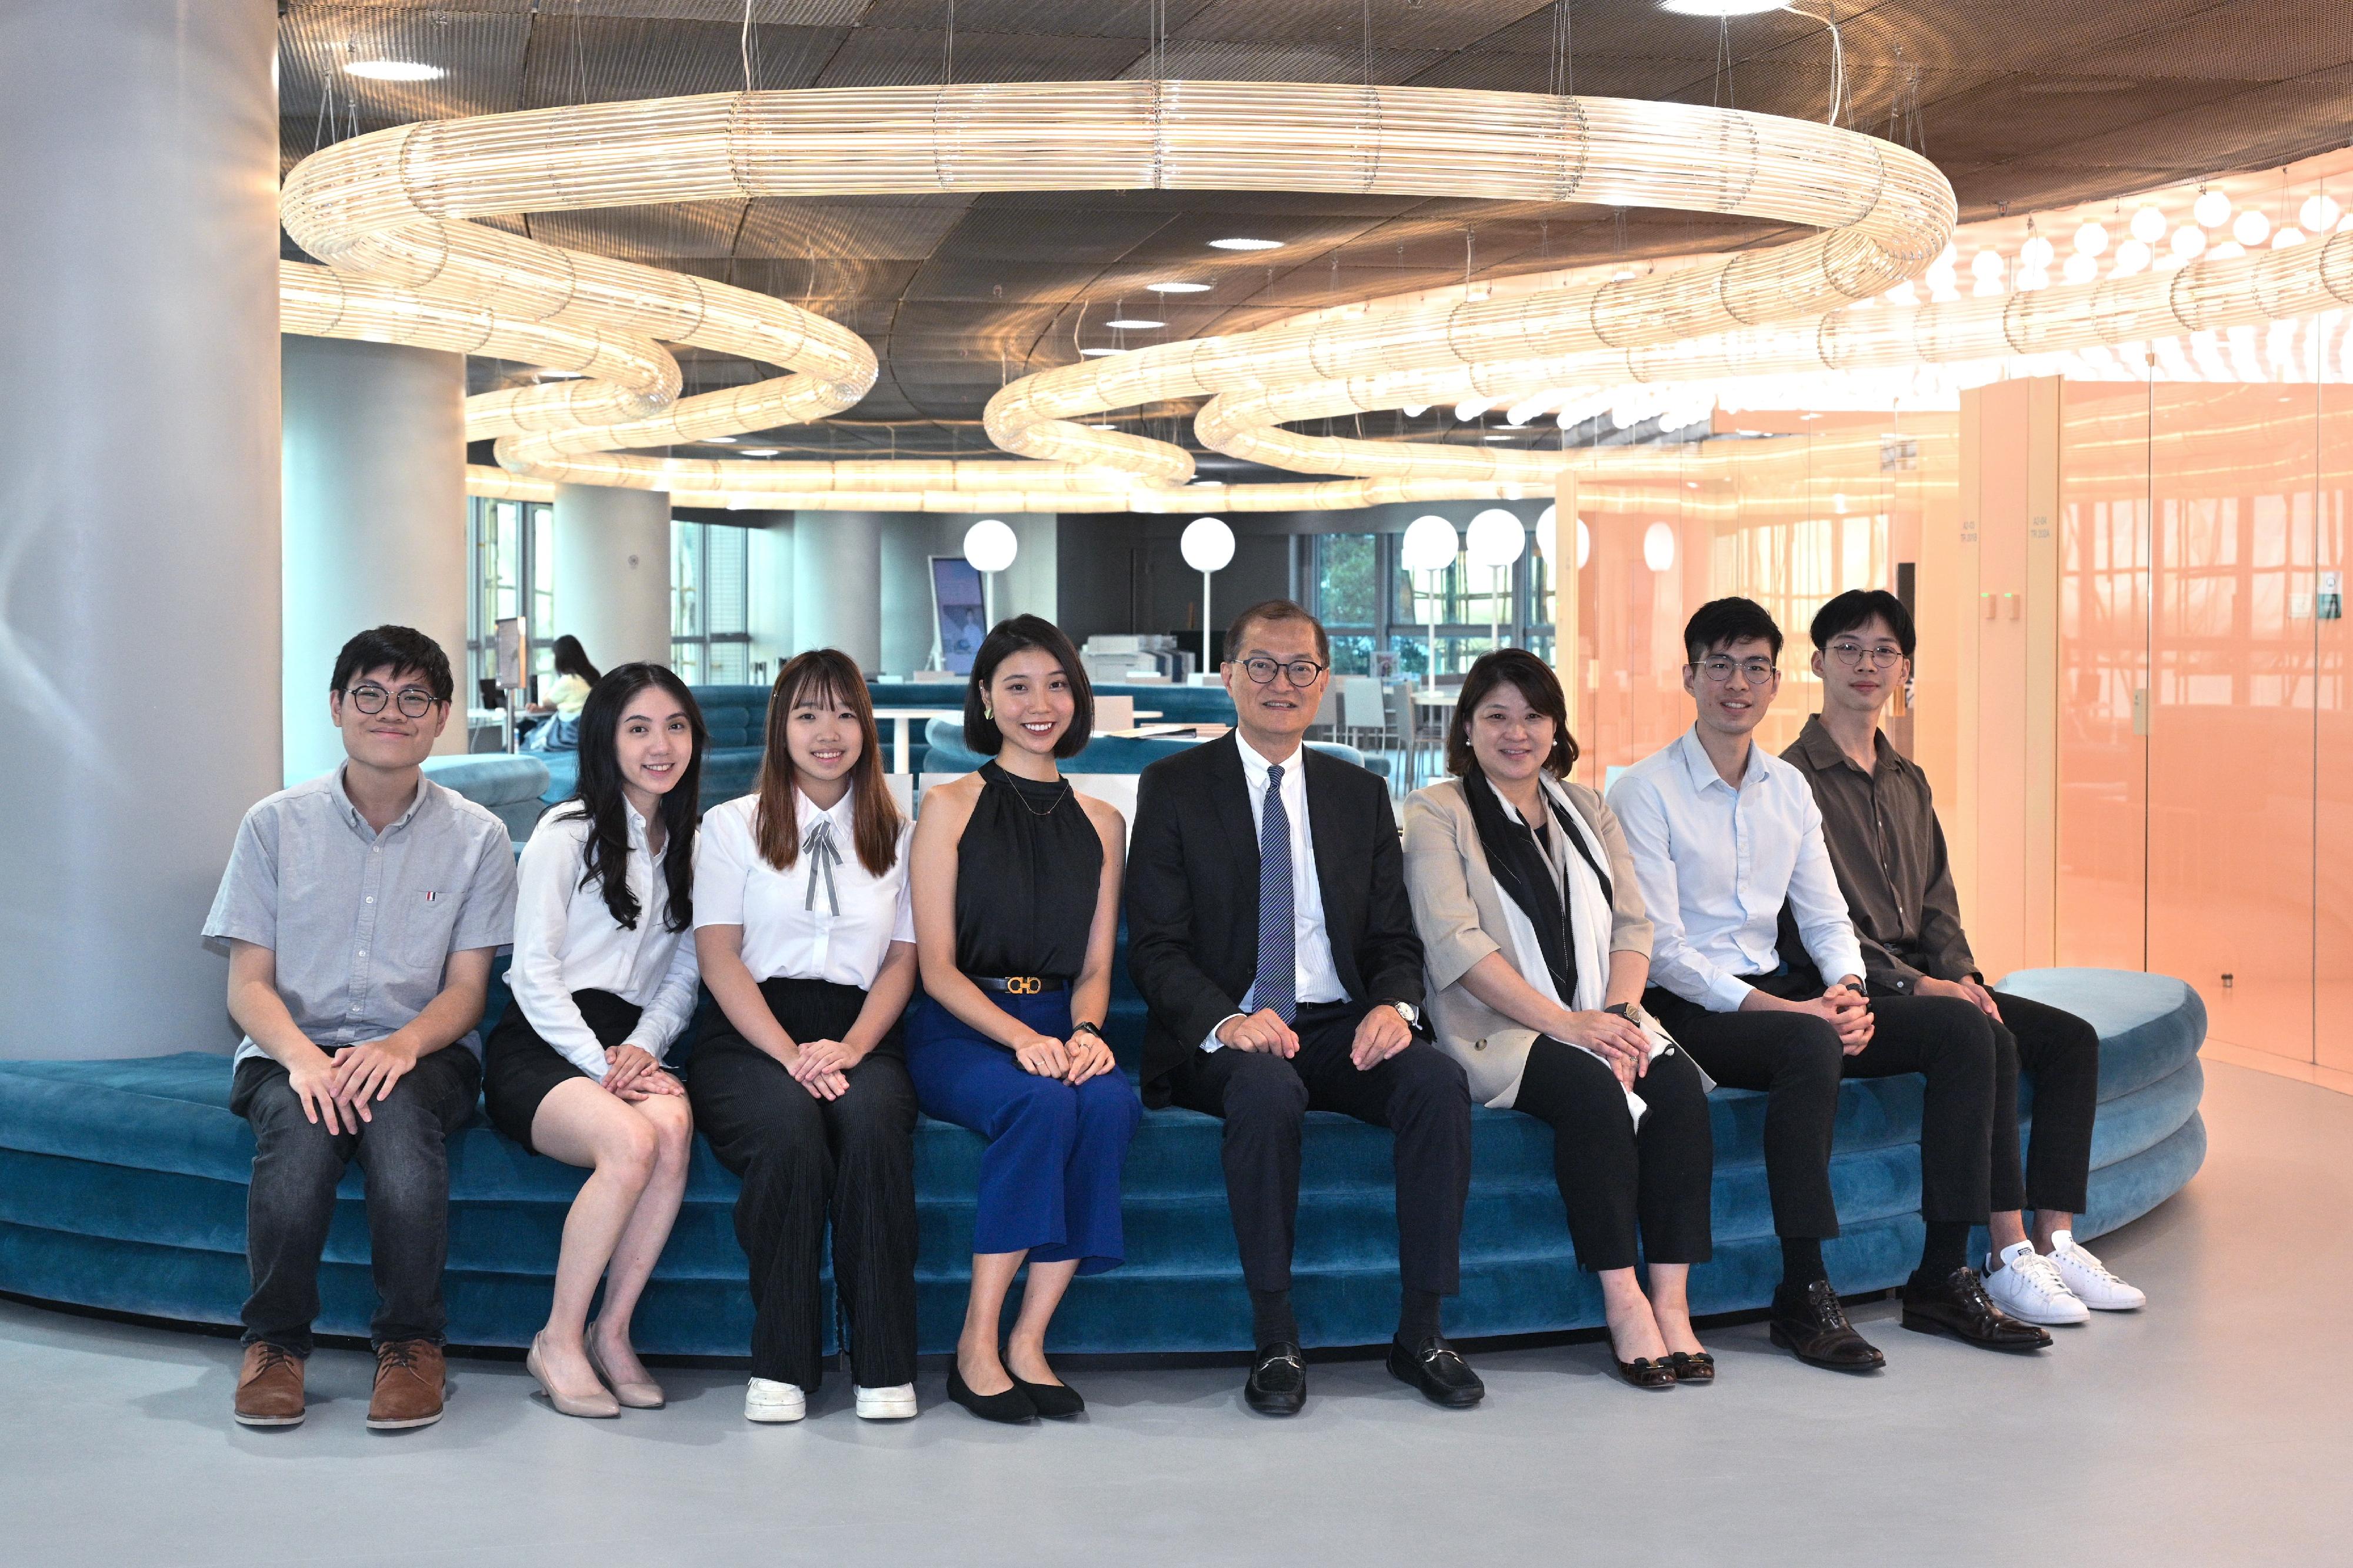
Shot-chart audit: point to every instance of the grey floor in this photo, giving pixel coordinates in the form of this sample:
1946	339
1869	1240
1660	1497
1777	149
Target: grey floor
2217	1426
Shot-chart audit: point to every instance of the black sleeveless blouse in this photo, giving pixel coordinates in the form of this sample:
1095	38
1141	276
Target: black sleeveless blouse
1028	868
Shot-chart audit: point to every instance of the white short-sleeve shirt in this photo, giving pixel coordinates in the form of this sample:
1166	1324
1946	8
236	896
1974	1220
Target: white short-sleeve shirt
804	923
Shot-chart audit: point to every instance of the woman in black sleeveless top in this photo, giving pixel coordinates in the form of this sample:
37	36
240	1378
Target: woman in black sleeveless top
1016	881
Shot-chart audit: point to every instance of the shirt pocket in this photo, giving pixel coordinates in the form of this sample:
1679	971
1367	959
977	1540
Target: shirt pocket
427	921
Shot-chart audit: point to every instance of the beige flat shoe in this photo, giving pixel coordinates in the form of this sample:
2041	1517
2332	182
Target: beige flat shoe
601	1407
635	1395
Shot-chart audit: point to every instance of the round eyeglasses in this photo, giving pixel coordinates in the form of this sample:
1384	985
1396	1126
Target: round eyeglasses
370	698
1757	671
1300	671
1853	654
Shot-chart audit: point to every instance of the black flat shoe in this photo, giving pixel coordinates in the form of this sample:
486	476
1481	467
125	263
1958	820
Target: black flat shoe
1644	1372
1011	1407
1438	1370
1054	1401
1958	1306
1278	1380
1814	1328
1692	1366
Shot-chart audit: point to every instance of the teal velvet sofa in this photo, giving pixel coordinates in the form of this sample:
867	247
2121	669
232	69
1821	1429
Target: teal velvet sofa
123	1187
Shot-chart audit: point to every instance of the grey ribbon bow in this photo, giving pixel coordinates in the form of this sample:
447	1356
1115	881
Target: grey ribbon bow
822	857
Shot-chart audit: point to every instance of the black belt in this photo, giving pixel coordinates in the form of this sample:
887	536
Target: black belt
1020	984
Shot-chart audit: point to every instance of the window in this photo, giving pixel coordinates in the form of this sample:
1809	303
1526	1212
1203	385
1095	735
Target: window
510	545
710	604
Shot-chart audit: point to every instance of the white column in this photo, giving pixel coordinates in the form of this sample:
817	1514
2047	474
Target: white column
138	507
375	468
837	583
612	572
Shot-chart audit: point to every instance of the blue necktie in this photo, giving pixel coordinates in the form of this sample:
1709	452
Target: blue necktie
1278	937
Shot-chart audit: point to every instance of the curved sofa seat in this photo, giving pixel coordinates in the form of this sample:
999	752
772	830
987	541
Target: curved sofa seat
122	1186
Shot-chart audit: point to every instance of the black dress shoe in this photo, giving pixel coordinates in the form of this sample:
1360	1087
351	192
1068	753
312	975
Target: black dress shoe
1814	1328
1958	1306
1055	1401
1439	1371
1012	1407
1278	1380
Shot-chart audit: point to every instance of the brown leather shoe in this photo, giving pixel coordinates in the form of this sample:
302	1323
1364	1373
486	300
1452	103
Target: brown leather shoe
269	1387
409	1383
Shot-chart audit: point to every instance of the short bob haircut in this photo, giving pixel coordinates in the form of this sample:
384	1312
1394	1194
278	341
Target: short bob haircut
1006	638
1270	612
402	650
1533	679
1720	622
1857	607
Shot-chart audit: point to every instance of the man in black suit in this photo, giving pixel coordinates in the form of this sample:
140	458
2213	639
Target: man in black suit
1269	931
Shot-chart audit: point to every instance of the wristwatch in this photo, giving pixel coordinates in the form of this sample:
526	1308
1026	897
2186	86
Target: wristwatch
1623	1009
1410	1013
1083	1028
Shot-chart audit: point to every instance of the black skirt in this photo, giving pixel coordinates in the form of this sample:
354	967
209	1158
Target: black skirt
519	1068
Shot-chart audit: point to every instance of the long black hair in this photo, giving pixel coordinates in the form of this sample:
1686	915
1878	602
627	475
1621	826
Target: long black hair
571	658
599	800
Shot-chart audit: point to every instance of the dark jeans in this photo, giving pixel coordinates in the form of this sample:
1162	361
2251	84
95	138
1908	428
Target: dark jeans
1419	1094
801	1158
1795	1059
403	1152
1614	1177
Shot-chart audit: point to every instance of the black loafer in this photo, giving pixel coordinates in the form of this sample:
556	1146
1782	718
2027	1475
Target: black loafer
1438	1370
1054	1401
1814	1328
1958	1306
1012	1407
1278	1380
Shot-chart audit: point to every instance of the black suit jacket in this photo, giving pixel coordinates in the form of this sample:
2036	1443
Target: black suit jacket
1192	894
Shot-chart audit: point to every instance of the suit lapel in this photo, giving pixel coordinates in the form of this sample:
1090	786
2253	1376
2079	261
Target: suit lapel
1339	873
1229	795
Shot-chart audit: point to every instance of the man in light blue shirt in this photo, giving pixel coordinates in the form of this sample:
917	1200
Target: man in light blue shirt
1727	844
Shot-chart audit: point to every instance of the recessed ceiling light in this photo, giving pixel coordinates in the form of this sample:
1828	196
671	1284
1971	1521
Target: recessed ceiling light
1245	245
1498	437
760	451
1102	426
1096	354
1178	288
559	375
722	440
1135	324
393	71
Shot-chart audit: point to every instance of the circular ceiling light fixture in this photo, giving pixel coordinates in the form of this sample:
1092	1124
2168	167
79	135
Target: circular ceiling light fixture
1429	545
2132	257
1659	547
1985	266
1135	324
2036	252
1495	537
989	545
1245	245
2251	227
2091	239
760	451
1178	288
2211	209
2287	234
2148	224
720	440
2318	214
393	71
2081	269
2188	241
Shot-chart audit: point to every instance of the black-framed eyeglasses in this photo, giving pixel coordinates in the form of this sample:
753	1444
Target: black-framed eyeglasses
1851	654
1300	671
1757	670
414	702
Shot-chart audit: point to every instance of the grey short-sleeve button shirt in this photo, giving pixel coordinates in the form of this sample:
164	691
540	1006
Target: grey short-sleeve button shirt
362	923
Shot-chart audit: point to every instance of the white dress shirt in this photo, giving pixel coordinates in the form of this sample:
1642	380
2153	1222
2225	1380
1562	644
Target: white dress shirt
821	920
1717	865
1314	978
566	940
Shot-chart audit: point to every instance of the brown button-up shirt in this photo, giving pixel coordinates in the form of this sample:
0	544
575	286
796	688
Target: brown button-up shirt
1888	851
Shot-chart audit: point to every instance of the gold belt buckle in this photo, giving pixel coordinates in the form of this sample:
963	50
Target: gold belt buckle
1024	984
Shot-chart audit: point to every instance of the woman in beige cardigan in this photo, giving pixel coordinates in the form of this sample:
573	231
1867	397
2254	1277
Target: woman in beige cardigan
1538	950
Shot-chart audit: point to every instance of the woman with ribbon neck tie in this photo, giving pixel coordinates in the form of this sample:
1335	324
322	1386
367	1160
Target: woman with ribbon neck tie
603	979
1016	881
807	944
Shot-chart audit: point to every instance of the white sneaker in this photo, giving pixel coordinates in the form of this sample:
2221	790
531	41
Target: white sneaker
2089	1277
2023	1284
887	1404
765	1399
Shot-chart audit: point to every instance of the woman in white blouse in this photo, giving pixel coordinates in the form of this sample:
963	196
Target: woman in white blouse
1538	948
604	979
808	944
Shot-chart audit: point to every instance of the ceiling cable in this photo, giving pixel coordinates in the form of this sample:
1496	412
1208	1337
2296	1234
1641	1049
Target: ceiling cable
947	50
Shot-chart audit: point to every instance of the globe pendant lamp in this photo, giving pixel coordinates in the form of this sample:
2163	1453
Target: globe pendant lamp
989	546
1430	546
1495	540
1207	546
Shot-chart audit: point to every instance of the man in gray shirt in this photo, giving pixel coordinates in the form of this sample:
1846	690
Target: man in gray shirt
361	911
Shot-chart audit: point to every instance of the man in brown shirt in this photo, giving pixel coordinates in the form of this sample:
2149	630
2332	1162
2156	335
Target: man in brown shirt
1879	823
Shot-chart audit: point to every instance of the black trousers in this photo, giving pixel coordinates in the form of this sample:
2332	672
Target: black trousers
1419	1094
2062	1052
1614	1177
801	1157
403	1149
1795	1059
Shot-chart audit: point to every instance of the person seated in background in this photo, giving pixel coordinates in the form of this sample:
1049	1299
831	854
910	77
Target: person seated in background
361	910
1725	838
800	1083
1878	824
1016	882
604	979
1531	915
1270	935
558	729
